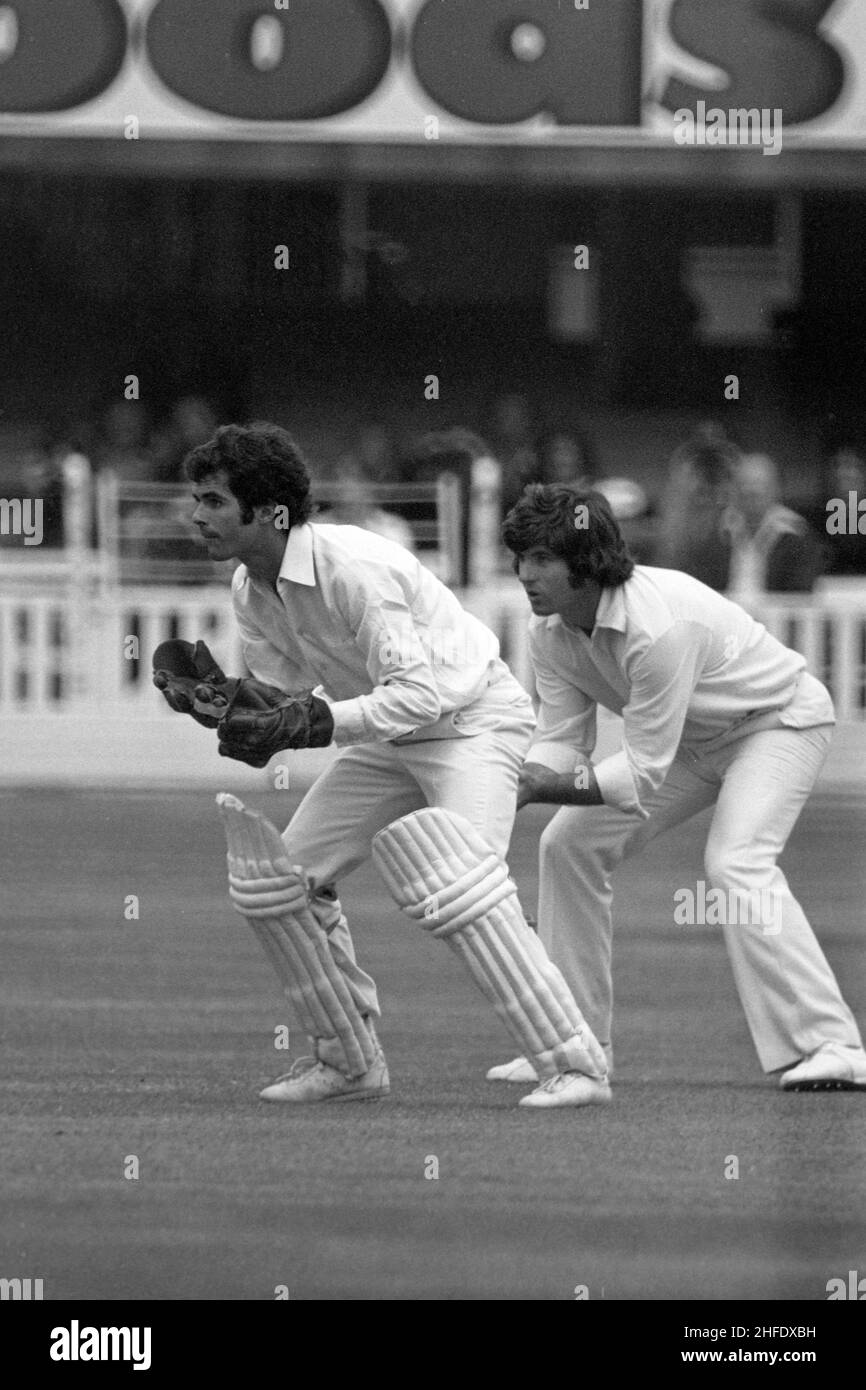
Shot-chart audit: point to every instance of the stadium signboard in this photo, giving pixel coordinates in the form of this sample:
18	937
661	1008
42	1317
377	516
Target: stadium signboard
582	72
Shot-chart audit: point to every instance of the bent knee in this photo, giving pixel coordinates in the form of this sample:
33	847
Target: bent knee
737	867
568	834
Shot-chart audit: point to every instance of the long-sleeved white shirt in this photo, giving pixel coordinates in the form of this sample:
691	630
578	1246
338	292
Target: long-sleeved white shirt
390	646
680	663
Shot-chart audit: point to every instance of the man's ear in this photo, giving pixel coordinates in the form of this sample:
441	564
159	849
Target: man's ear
265	515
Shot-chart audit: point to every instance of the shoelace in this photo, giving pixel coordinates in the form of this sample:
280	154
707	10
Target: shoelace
552	1083
299	1067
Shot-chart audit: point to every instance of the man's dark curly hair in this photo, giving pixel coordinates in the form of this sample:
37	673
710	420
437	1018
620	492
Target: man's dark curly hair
263	466
589	540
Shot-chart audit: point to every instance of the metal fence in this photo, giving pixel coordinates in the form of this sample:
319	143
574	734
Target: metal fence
144	534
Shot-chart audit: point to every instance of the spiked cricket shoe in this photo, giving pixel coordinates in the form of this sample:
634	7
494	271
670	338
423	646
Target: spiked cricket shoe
569	1088
832	1068
311	1080
521	1072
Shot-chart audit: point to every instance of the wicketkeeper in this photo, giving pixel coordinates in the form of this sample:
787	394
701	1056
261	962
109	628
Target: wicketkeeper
432	729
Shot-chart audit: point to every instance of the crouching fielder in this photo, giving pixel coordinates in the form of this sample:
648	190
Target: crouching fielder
716	713
432	729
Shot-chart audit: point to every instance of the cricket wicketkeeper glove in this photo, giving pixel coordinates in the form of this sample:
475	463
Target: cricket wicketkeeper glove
192	681
253	732
253	720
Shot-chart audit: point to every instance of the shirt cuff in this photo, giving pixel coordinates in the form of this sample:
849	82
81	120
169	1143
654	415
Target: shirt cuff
559	757
350	726
616	784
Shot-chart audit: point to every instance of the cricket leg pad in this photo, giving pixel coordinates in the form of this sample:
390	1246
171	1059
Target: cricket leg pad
272	895
445	876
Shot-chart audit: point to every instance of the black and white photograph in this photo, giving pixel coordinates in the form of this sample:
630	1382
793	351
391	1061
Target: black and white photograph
433	663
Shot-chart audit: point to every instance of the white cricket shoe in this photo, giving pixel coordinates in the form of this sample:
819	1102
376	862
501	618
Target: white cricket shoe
520	1071
569	1088
833	1067
310	1080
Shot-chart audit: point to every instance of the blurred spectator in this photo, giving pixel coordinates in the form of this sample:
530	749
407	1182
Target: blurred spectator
700	476
192	421
630	505
123	444
844	553
626	498
376	454
469	458
445	451
515	445
31	472
357	507
565	459
772	549
155	538
124	449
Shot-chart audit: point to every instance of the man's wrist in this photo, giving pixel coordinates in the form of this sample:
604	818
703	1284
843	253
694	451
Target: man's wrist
576	788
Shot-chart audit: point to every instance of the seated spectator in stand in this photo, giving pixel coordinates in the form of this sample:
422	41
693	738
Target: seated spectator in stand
772	549
192	421
356	507
631	510
123	443
458	451
375	454
515	445
150	533
33	473
174	544
845	545
693	502
566	460
444	451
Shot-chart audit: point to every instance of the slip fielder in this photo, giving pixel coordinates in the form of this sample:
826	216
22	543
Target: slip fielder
715	712
432	730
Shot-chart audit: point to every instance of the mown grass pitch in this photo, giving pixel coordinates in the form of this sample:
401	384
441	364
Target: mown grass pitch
148	1039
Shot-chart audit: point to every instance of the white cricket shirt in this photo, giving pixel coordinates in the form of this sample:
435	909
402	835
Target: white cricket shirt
680	663
390	646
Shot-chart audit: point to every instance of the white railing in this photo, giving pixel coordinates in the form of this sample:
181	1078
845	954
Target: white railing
77	707
90	646
830	631
93	648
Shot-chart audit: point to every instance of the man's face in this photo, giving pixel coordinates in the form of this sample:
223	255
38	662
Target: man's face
754	489
849	473
218	518
547	581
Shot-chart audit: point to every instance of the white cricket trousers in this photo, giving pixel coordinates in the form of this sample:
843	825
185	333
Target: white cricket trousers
368	786
759	784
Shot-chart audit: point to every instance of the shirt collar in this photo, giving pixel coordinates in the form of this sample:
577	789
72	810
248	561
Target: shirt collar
611	608
298	566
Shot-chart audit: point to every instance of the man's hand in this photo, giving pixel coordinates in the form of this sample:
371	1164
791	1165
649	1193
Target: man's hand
539	783
192	682
257	725
534	781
